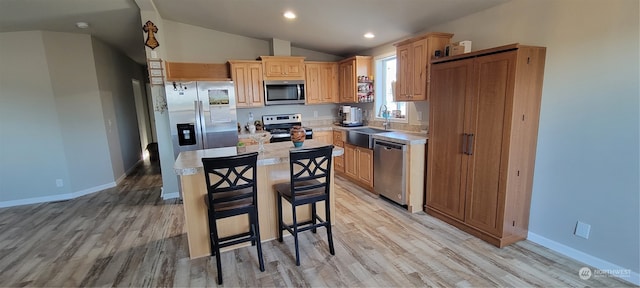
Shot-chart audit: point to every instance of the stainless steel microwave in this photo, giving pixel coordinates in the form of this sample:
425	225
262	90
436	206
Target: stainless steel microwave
282	92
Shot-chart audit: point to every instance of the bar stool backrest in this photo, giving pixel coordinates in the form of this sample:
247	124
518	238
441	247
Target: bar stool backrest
307	165
231	179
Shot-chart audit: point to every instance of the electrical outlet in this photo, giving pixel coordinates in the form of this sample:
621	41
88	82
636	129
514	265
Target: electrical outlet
59	183
582	230
315	114
419	115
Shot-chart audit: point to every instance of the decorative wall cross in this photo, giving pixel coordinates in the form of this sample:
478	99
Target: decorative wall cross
150	29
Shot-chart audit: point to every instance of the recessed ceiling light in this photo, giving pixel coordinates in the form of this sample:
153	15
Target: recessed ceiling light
82	25
289	15
369	35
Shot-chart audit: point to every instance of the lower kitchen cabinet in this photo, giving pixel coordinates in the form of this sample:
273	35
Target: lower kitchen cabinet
482	140
324	136
338	161
358	165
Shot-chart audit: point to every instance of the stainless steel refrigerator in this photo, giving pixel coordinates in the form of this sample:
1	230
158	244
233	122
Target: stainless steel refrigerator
202	115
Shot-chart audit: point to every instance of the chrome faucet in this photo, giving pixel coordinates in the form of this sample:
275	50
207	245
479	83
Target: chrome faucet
385	114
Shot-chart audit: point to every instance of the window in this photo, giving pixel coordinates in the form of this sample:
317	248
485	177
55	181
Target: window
386	74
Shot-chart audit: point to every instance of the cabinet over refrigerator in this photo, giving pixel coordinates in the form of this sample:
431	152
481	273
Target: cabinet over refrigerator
202	115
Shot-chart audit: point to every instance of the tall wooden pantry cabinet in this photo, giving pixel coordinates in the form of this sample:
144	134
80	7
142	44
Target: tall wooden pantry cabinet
485	107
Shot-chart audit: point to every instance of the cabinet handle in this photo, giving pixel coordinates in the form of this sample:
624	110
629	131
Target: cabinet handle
464	143
470	142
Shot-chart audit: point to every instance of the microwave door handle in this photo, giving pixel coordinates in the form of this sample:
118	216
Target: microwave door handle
299	91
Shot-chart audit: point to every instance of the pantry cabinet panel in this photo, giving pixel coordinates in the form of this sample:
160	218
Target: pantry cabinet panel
490	120
484	114
451	81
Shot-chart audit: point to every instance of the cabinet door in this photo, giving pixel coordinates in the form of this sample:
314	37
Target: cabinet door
419	70
293	68
490	113
274	68
284	68
247	79
365	166
446	183
313	85
350	161
347	88
404	72
329	83
338	141
323	136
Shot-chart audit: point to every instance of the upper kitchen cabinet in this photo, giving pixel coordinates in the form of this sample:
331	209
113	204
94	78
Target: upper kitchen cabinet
179	71
283	67
348	71
414	65
247	78
321	83
483	127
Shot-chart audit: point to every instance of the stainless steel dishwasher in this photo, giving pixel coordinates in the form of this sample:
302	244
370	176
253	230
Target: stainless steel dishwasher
389	170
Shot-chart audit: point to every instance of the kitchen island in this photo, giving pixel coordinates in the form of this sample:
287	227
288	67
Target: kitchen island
273	167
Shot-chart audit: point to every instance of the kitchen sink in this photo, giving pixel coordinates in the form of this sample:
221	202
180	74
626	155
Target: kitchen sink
363	137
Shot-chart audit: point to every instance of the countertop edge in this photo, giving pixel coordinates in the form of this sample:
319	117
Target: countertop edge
190	163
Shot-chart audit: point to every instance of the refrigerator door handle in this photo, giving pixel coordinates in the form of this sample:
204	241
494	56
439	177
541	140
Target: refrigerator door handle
203	128
196	108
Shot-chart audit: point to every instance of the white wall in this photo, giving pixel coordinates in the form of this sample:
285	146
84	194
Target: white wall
52	104
74	83
114	72
587	164
31	145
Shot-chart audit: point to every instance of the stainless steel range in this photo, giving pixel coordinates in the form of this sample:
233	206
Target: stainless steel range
279	126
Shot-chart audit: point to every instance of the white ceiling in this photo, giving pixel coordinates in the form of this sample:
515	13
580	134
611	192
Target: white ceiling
331	26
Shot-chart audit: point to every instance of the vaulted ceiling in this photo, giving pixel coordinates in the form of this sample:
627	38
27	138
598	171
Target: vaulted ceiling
331	26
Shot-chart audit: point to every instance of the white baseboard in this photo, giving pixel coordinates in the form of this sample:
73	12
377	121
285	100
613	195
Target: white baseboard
128	172
59	197
171	195
588	259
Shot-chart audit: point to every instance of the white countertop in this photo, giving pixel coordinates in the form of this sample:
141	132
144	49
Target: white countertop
401	137
190	162
398	136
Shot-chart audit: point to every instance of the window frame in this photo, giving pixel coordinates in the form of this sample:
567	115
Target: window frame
381	92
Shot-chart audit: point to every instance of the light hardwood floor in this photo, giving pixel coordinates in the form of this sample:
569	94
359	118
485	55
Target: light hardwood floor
128	236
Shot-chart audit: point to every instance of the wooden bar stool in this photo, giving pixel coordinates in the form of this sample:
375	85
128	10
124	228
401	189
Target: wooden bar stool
307	167
232	191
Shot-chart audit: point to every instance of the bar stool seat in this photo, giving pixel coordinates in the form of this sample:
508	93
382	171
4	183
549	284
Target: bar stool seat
232	191
307	168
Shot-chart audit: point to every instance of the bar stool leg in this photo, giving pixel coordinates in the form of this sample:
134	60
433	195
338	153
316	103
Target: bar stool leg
280	223
216	250
314	217
256	233
328	224
295	234
252	227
